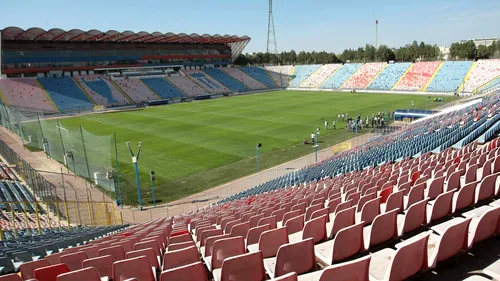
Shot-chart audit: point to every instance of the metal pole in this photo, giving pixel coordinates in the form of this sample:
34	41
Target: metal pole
118	174
65	200
139	198
60	135
85	153
153	190
257	158
316	145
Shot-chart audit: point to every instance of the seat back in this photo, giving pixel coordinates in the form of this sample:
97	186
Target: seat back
50	273
415	216
178	246
149	253
319	213
146	245
271	220
295	224
342	220
453	181
254	220
139	268
226	248
486	187
442	206
451	242
86	274
356	270
384	194
229	225
27	268
54	258
348	242
416	194
344	205
117	252
10	277
74	260
195	271
486	226
289	215
181	257
370	210
315	229
103	264
301	207
435	188
127	245
471	173
91	251
310	210
332	204
254	233
186	237
246	267
384	228
280	213
271	240
465	196
295	257
363	200
209	243
409	259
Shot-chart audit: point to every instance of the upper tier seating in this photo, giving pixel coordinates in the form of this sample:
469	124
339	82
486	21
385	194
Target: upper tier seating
301	72
389	76
482	73
283	79
101	90
449	76
341	75
206	82
244	78
25	92
65	93
492	86
227	80
315	80
260	74
187	85
136	90
418	76
163	88
364	75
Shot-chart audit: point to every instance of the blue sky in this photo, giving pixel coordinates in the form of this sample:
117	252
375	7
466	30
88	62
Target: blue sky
300	24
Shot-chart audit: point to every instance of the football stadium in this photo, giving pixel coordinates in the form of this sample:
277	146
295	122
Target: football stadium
164	156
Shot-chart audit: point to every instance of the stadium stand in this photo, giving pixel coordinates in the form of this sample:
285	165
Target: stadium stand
341	75
244	78
301	72
101	90
482	73
261	75
187	86
418	76
389	76
65	93
491	86
163	88
283	79
449	76
315	80
136	90
364	75
208	83
25	92
227	80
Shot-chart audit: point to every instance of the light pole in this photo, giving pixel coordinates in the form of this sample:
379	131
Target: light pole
152	175
259	145
316	143
135	160
109	177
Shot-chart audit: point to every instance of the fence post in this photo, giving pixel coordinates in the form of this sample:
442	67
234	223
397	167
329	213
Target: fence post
85	153
38	218
48	215
13	219
121	217
58	215
60	136
78	217
26	217
1	233
114	214
65	200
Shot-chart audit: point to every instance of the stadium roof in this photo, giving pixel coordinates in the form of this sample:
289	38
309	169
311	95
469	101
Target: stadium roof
93	35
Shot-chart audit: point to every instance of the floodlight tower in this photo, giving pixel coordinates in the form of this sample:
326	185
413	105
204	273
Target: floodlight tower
272	47
376	30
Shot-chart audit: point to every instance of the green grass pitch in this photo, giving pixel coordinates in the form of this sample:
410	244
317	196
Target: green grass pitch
198	145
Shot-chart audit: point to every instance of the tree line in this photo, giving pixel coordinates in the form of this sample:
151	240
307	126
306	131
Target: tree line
408	53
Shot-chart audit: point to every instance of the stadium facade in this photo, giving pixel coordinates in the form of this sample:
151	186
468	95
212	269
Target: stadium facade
38	52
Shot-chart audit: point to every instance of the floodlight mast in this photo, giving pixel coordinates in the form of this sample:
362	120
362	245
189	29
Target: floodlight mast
135	161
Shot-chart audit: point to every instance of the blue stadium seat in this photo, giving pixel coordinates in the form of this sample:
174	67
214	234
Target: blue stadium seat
389	76
341	75
163	88
226	80
449	76
65	93
102	88
301	72
260	74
